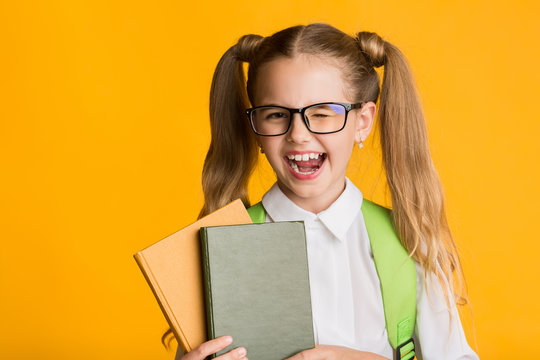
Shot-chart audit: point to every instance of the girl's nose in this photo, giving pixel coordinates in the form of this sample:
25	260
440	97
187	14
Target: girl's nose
298	133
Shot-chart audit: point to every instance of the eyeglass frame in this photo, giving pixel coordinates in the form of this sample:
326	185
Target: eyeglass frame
302	111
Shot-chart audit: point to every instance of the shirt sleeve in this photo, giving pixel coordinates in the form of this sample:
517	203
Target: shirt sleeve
439	332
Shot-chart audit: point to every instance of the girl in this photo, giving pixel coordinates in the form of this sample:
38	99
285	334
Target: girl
311	95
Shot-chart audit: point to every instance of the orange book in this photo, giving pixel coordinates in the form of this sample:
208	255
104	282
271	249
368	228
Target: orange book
173	269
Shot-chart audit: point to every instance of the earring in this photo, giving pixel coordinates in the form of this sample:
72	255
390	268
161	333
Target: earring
261	149
361	145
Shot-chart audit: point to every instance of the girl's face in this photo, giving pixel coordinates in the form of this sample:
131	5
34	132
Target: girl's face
298	82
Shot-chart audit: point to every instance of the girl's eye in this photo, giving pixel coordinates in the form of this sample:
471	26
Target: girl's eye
319	115
325	112
276	115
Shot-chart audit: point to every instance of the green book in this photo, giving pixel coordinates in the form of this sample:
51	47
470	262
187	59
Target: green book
257	288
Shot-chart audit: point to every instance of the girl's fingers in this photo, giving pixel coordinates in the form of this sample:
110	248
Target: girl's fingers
311	354
208	348
234	354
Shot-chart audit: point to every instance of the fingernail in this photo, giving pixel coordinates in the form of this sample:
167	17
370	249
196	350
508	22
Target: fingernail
228	339
241	351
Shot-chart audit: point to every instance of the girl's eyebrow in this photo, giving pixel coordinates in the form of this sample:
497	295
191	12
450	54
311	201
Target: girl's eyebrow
272	104
270	101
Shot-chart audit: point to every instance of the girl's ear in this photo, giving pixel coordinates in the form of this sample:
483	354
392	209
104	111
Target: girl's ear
259	145
365	118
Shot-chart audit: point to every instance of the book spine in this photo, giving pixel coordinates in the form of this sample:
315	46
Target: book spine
162	301
207	286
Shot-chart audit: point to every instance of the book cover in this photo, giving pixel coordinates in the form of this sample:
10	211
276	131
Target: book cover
257	288
172	268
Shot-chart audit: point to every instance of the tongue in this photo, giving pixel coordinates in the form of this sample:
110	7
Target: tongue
308	165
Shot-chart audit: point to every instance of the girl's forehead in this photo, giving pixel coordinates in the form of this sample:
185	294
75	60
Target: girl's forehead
312	63
299	81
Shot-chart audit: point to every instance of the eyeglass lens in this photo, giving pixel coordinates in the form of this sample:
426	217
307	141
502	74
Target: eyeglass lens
321	118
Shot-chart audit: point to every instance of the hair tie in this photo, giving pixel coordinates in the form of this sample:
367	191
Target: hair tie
247	47
372	47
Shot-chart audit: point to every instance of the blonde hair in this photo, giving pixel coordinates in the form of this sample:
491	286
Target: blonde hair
418	209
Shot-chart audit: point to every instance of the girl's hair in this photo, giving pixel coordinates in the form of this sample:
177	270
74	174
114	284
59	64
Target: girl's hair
418	209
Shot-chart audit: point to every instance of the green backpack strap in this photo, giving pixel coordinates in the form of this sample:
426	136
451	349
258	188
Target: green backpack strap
396	271
397	274
257	213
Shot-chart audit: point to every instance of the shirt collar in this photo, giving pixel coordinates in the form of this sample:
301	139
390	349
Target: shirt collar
280	208
337	218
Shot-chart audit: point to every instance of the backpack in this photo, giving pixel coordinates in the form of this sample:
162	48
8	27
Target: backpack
396	271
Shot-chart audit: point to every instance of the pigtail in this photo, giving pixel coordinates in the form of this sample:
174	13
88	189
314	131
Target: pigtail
232	153
418	208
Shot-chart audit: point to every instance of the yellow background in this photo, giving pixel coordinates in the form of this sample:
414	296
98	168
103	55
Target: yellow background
104	128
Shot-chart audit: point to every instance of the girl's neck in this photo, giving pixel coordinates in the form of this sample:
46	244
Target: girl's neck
316	204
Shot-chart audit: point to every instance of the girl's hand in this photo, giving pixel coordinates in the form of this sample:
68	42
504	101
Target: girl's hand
330	352
212	346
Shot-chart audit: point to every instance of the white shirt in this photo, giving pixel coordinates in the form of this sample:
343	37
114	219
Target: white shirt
345	290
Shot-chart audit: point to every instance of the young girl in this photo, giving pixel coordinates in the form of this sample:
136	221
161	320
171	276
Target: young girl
311	95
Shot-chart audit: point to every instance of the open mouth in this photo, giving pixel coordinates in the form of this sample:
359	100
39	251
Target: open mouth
307	163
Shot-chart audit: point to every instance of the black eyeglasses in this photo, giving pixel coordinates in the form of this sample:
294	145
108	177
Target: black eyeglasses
321	118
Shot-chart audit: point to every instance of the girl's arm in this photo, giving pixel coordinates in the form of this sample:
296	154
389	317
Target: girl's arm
330	352
440	336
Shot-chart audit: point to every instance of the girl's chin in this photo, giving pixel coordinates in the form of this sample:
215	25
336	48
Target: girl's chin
303	190
310	198
299	193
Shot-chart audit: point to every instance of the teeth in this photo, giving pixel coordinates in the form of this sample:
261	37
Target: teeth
304	173
304	157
